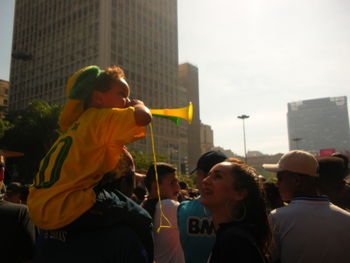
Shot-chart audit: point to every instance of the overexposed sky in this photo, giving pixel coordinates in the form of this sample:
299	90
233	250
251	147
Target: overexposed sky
253	56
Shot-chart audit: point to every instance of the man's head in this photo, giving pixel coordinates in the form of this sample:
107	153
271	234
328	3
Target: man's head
110	89
297	173
345	161
15	193
167	178
205	163
331	174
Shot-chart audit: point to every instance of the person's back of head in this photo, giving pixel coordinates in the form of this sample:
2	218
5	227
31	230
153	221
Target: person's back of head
345	162
183	185
331	180
15	192
123	175
272	196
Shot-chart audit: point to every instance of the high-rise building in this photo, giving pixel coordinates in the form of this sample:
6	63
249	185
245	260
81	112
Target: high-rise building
54	38
318	124
188	79
207	138
4	94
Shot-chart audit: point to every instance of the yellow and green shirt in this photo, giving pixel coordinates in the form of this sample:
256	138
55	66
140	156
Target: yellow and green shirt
91	147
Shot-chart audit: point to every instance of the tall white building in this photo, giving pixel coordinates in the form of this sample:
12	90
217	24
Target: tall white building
54	38
319	124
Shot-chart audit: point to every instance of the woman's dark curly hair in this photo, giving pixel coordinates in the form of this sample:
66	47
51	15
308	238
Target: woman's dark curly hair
255	214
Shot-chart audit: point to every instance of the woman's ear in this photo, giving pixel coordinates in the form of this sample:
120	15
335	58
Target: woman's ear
240	195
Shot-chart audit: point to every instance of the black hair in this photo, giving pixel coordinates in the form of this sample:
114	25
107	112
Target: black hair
14	188
272	196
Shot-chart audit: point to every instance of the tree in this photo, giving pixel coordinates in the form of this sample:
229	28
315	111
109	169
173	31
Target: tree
32	132
144	160
4	126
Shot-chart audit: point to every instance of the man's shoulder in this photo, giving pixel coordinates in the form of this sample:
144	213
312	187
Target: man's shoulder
193	208
190	204
8	207
297	209
338	211
283	212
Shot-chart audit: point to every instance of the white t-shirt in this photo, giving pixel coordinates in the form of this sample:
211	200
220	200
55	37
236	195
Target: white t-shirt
167	246
311	230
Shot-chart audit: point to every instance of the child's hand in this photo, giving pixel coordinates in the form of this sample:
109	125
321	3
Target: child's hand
143	115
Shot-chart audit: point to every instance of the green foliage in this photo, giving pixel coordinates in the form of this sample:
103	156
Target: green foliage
4	126
189	179
32	132
268	175
144	160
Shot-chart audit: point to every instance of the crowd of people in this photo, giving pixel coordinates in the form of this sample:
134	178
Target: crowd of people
237	217
88	204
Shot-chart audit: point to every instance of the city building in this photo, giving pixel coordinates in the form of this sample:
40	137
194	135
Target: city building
4	97
188	80
254	154
207	138
319	124
53	39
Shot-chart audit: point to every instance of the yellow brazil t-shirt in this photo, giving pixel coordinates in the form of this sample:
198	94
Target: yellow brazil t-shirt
63	187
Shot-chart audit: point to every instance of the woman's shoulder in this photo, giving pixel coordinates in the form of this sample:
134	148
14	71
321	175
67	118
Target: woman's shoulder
237	240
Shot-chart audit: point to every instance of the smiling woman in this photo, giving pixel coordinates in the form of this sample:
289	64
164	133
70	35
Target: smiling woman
232	194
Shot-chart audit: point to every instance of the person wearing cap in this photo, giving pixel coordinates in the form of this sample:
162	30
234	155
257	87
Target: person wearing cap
98	120
197	232
310	228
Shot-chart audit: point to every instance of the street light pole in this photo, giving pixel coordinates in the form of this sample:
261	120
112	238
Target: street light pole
296	140
243	117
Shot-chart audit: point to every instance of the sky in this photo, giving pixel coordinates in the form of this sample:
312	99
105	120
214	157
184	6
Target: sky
253	57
